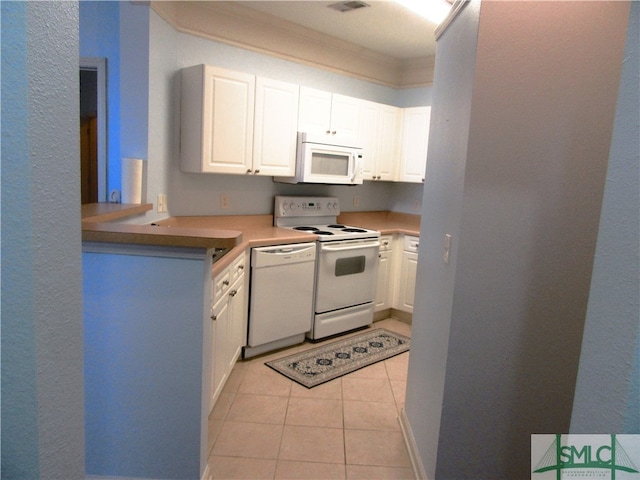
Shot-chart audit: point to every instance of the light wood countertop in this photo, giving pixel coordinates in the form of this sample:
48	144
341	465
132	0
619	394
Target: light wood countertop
98	226
234	232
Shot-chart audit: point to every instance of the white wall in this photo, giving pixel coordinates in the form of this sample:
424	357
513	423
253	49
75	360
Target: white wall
505	317
42	376
609	372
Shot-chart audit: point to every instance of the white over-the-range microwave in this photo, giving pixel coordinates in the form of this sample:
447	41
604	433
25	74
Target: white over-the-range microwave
326	158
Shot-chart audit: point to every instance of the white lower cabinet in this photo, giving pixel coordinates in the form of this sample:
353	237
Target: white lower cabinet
407	276
384	290
229	323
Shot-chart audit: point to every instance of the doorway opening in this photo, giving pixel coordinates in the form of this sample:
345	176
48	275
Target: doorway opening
93	130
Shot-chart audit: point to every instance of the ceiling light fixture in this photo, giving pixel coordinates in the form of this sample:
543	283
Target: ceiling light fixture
433	10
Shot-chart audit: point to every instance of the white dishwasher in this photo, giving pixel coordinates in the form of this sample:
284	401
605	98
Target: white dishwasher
281	296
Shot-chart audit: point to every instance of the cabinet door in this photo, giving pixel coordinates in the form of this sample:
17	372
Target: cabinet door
408	269
388	142
219	364
415	139
368	137
276	125
237	321
383	289
345	116
217	108
314	114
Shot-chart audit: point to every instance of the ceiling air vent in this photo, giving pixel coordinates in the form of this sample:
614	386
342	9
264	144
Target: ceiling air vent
348	6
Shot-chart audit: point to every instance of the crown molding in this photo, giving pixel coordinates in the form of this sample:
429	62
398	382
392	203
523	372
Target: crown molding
247	28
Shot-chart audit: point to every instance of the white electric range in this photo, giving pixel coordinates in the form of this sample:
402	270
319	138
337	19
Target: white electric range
346	263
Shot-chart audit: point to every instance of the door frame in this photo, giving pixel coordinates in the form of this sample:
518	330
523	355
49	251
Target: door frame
99	65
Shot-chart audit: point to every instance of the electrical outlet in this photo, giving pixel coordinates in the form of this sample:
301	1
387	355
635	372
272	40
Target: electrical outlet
225	202
356	200
162	203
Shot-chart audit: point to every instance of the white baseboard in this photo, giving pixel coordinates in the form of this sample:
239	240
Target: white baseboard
409	440
207	475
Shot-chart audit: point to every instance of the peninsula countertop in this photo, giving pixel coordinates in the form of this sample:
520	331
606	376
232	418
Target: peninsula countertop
236	233
99	224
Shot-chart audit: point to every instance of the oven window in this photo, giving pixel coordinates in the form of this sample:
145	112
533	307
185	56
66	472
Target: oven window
350	266
329	164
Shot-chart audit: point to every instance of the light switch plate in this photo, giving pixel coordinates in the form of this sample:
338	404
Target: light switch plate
447	248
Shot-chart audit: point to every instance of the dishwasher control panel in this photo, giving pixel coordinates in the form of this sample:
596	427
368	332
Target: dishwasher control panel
283	254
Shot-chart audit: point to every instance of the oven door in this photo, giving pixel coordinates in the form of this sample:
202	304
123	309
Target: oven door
347	273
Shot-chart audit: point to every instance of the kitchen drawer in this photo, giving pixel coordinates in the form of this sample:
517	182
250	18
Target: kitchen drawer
237	268
386	242
411	243
221	284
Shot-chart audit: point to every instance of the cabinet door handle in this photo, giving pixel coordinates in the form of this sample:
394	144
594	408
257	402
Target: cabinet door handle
214	317
233	293
225	282
240	267
248	170
257	171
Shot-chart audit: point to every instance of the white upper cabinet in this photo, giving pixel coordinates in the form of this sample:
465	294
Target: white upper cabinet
387	152
415	139
327	113
314	114
217	108
276	124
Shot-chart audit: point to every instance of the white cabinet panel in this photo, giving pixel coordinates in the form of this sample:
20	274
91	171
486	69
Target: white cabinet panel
384	289
229	323
415	139
217	108
406	280
314	113
276	125
327	113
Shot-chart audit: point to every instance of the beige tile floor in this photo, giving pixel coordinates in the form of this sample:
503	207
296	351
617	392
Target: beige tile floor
265	426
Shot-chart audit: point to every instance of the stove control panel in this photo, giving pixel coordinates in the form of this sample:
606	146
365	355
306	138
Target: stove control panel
306	206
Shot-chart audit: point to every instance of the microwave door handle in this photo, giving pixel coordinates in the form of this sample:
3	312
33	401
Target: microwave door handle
356	166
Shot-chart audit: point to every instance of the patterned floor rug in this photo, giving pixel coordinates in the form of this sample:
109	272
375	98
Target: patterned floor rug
321	364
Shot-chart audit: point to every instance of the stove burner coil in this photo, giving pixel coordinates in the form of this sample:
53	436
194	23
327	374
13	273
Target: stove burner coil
306	229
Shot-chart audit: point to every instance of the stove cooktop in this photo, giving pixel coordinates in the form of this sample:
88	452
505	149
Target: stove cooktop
316	215
336	231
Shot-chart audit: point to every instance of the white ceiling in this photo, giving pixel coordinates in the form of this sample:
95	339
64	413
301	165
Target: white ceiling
385	26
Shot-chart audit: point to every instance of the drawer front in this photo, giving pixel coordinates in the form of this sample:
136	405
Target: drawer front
411	243
221	284
386	243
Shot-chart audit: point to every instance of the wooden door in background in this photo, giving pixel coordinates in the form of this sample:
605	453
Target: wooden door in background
89	159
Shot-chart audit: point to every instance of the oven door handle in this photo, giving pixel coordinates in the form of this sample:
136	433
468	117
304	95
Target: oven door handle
341	247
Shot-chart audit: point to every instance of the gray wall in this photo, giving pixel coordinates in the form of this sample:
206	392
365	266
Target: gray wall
608	372
42	378
524	224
